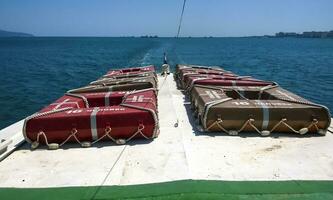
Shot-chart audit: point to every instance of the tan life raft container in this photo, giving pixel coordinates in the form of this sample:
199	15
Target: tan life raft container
261	109
184	71
197	68
118	86
187	77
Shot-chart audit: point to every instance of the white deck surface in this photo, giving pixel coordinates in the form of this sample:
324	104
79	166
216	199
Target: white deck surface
178	153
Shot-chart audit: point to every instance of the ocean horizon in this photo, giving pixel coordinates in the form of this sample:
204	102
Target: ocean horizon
35	71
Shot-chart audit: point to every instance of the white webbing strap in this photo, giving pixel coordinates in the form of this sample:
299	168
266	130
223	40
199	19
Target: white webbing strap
241	91
93	123
265	114
86	103
217	95
65	102
212	94
208	92
266	88
107	99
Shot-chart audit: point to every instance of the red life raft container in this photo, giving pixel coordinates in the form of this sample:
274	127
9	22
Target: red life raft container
134	70
119	85
132	75
111	81
89	118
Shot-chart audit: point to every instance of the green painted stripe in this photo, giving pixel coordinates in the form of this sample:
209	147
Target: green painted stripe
187	189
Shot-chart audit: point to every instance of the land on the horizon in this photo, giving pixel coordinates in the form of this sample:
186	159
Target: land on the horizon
308	34
14	34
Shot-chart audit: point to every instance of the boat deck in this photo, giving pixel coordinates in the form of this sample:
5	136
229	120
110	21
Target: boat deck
179	153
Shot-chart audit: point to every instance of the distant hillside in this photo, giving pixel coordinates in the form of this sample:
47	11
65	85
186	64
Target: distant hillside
14	34
308	34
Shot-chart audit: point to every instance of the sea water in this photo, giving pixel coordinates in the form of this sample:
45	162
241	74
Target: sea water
36	71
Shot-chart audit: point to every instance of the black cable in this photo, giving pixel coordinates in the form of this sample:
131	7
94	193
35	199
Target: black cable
181	18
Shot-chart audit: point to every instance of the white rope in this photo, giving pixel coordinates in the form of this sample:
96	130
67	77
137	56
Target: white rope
107	134
74	133
250	121
139	131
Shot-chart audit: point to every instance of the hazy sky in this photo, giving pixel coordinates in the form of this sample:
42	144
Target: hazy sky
160	17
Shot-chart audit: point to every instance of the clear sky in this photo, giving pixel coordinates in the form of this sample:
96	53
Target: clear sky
161	17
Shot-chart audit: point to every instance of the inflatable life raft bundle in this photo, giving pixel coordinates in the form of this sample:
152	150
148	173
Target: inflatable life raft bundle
126	79
243	104
116	109
131	71
119	84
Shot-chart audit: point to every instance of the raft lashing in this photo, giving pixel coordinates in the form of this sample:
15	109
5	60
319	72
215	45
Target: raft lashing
118	107
226	102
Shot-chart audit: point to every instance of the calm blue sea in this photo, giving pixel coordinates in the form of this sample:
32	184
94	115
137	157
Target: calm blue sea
36	71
